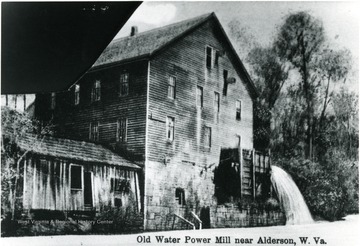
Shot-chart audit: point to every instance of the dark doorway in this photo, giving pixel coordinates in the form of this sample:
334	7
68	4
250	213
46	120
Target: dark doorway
88	196
205	217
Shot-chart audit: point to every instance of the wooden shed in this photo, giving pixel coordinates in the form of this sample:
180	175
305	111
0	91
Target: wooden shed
68	175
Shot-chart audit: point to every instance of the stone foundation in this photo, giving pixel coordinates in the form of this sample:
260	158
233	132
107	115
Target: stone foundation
197	182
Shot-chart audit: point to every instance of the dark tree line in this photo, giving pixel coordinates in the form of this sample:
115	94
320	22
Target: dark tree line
305	112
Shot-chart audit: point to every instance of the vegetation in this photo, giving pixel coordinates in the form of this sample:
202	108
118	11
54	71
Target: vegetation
14	126
305	113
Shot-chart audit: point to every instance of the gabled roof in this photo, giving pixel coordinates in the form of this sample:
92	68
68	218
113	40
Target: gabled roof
146	43
73	150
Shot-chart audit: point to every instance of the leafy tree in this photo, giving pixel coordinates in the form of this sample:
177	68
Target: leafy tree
300	39
15	126
333	66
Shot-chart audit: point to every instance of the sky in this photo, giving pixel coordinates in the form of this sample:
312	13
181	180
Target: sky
340	18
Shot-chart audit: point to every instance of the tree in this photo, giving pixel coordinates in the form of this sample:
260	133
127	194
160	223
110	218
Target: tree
333	66
300	38
269	75
15	126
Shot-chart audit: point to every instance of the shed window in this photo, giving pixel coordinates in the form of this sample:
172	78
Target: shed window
238	110
199	96
121	130
170	128
207	137
96	91
216	102
76	177
119	185
94	131
124	84
77	94
171	87
53	100
180	196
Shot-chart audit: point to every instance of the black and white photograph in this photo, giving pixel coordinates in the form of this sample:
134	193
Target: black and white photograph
180	123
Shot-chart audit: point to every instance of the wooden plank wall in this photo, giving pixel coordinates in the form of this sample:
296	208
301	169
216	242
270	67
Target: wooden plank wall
186	61
73	121
47	185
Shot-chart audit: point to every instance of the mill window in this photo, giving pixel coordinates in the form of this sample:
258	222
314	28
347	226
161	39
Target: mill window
216	102
170	128
171	87
124	84
238	110
225	75
180	196
199	96
53	100
121	130
96	91
212	57
77	94
94	131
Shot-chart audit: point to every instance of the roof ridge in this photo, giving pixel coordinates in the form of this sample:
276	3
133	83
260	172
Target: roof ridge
162	27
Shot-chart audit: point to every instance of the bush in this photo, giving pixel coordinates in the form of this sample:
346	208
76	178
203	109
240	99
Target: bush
121	220
329	186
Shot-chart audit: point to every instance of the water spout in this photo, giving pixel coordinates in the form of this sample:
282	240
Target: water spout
291	199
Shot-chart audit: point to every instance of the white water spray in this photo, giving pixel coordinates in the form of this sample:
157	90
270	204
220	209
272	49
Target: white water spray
291	199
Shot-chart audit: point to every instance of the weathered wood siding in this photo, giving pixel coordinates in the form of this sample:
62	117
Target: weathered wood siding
186	162
73	121
186	61
47	185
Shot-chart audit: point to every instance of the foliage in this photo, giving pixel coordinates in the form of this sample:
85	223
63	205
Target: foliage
304	112
122	220
330	186
14	126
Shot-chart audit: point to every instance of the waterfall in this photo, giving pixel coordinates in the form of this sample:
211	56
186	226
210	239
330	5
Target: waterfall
290	197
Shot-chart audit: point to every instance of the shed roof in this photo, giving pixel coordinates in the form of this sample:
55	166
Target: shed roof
73	150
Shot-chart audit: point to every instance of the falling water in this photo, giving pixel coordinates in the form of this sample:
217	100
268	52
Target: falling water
296	210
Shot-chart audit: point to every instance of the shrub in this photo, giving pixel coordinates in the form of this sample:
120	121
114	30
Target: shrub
329	186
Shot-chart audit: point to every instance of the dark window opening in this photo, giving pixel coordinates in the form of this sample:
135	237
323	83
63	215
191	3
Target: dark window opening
88	195
118	185
171	87
77	94
124	84
96	91
225	82
216	102
170	128
208	57
118	202
199	96
94	131
121	131
76	177
227	176
53	100
180	196
217	55
238	110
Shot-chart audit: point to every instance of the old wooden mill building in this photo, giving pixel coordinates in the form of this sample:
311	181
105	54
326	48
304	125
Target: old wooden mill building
163	121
